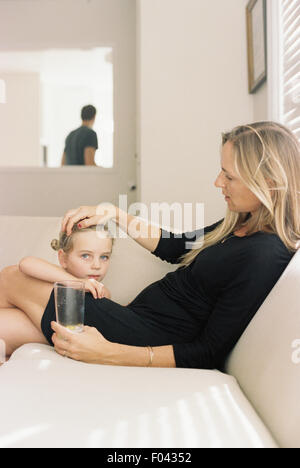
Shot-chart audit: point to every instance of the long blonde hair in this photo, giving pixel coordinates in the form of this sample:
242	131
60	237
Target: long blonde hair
267	159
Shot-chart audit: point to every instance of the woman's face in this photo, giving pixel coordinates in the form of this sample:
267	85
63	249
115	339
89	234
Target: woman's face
89	258
239	198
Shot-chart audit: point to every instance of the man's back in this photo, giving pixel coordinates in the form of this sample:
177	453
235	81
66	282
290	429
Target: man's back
76	142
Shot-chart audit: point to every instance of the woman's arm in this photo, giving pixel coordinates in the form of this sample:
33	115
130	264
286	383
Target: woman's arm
148	236
124	355
93	348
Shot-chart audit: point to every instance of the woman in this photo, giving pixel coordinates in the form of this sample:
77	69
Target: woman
194	316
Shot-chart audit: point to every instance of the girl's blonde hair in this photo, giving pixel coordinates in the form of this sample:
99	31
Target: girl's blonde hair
267	159
66	242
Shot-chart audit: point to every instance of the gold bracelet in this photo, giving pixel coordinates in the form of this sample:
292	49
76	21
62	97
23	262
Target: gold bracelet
151	353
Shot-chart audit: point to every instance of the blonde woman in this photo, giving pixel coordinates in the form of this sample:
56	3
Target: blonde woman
194	316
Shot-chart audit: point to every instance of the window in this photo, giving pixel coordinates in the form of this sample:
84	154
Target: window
287	45
52	86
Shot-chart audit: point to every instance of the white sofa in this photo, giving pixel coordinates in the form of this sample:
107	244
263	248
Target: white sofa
49	401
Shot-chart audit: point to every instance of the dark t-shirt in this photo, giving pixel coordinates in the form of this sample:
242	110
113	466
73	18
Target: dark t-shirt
76	142
220	291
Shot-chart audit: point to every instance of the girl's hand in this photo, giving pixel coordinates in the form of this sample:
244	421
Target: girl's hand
88	216
106	293
95	288
89	346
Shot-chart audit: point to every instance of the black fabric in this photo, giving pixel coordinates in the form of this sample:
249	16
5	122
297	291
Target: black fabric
203	309
76	142
223	289
127	325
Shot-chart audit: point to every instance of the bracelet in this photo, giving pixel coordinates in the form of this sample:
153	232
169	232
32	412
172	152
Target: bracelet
151	353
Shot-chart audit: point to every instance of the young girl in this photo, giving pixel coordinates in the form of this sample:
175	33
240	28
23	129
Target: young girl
84	255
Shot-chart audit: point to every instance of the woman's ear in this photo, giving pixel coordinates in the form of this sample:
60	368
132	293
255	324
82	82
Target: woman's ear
62	258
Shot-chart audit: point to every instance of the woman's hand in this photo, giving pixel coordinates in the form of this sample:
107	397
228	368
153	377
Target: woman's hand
88	216
89	346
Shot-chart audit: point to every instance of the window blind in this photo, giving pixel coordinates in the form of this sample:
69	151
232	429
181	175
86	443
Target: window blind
290	48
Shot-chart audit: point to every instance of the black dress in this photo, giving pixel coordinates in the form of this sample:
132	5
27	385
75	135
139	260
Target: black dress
203	309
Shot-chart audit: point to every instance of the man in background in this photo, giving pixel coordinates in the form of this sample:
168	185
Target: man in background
82	143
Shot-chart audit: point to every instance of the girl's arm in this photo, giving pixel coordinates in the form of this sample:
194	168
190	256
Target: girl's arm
106	293
46	271
43	270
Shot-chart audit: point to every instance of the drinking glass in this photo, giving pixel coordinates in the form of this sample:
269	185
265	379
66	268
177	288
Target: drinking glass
69	304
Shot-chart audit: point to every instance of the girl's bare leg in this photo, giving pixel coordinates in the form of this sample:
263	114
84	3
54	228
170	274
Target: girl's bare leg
22	292
4	304
17	329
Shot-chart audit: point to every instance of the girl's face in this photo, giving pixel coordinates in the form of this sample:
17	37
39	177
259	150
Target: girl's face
239	198
89	258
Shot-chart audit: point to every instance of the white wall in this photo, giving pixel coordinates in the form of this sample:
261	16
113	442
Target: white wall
192	85
48	24
20	120
260	103
56	190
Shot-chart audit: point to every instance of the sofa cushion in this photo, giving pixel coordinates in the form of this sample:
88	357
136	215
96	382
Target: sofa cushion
50	401
21	236
265	363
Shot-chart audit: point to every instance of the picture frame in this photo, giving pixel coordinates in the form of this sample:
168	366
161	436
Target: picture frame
256	16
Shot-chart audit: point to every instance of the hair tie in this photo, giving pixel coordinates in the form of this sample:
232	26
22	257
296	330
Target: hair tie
55	244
